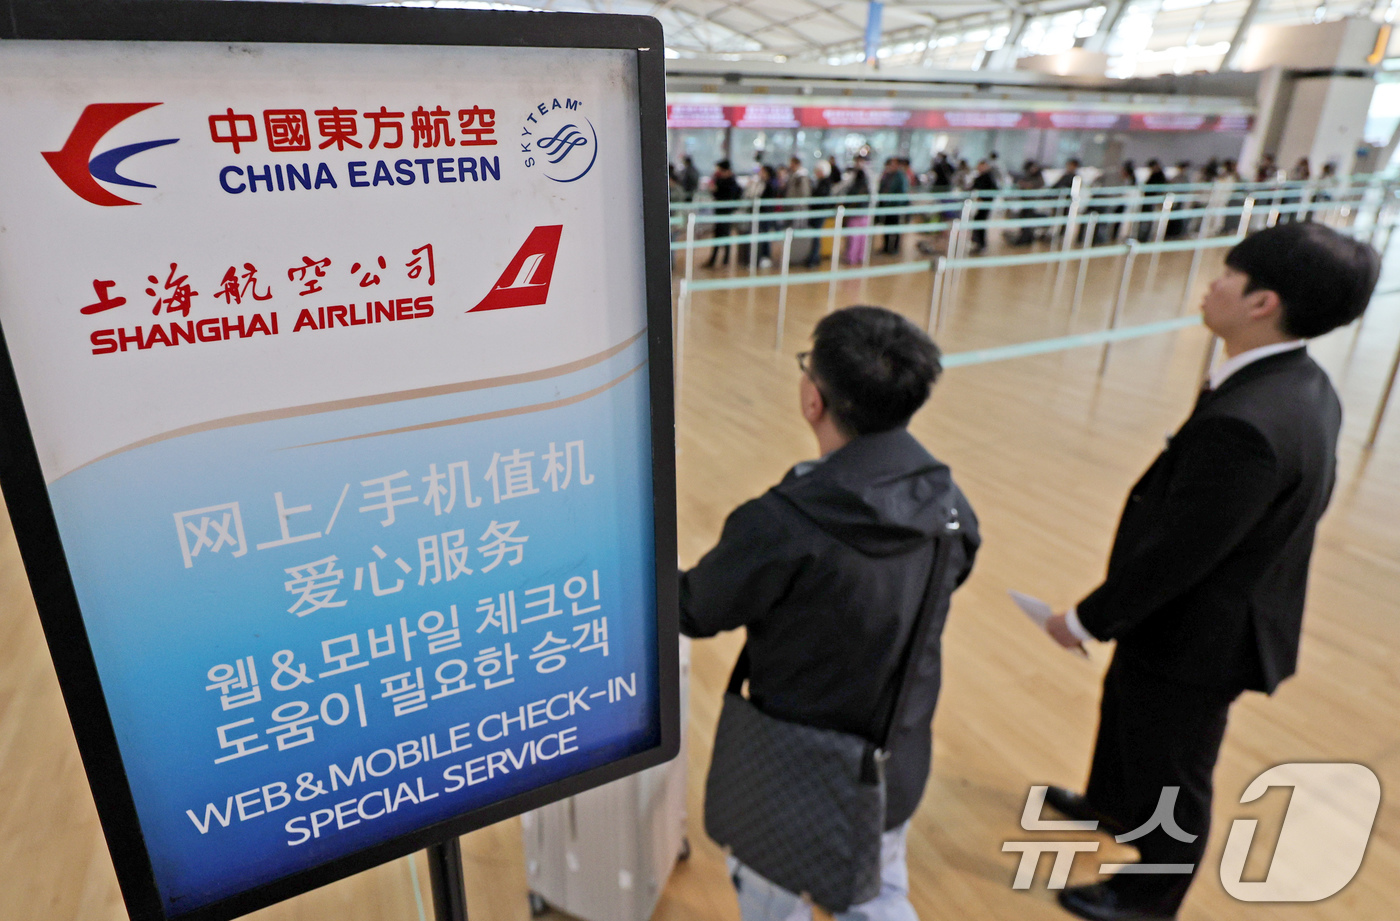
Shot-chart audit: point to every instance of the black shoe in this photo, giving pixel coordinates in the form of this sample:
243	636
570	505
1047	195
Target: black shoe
1100	902
1074	806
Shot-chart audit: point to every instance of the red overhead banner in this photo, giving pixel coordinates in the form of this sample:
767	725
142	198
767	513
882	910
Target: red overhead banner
774	116
875	117
1080	121
696	116
975	120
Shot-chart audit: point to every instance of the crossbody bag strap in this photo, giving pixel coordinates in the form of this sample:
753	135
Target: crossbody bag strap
741	671
918	639
942	552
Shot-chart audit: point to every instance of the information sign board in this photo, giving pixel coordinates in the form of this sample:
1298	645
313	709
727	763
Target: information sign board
336	398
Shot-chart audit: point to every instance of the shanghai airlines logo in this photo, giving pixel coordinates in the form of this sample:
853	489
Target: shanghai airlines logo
80	170
525	282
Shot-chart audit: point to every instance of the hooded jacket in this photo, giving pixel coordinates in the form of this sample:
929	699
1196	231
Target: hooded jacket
827	570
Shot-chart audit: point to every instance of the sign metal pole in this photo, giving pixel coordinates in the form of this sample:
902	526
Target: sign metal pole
445	877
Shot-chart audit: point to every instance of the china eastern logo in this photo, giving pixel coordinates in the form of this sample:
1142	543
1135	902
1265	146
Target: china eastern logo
525	282
80	170
559	140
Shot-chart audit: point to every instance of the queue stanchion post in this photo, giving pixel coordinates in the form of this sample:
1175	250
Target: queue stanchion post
1084	254
445	878
1119	301
690	247
753	232
945	293
1385	401
783	290
935	312
835	256
869	234
1071	228
1246	216
964	244
1195	268
1389	223
1168	202
1130	210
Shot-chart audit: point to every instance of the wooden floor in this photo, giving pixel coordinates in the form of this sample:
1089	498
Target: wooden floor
1046	450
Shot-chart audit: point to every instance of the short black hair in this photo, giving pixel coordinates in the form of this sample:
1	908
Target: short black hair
1323	279
873	367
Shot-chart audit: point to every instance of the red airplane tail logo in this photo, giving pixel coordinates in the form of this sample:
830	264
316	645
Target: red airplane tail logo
525	282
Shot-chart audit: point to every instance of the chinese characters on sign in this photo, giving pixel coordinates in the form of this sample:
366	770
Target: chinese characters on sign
288	130
176	294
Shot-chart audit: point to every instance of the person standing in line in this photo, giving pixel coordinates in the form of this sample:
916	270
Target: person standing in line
942	170
690	178
857	185
984	182
1155	176
799	186
836	175
1230	177
1032	177
1068	175
821	188
767	188
1300	173
999	171
828	571
1208	572
894	182
1223	181
725	188
1267	170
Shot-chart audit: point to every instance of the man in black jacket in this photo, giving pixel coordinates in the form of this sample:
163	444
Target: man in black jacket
1206	580
725	188
827	571
985	181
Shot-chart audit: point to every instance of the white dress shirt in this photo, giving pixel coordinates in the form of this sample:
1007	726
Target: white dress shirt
1218	376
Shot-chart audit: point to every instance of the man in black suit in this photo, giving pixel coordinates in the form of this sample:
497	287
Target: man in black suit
1206	579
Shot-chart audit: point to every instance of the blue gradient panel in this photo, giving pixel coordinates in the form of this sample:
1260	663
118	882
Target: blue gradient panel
158	627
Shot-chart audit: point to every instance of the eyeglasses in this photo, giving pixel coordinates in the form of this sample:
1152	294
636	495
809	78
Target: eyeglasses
802	359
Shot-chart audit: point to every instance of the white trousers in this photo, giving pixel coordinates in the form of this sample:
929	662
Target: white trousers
761	900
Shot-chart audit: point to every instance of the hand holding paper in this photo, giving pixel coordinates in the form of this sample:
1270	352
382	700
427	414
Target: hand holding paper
1042	614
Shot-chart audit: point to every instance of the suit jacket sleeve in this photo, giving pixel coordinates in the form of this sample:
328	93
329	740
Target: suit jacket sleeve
743	576
1221	483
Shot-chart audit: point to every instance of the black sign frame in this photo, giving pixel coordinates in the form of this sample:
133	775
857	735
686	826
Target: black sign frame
36	530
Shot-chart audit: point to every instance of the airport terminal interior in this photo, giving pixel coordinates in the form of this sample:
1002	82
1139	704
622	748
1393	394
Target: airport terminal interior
1248	113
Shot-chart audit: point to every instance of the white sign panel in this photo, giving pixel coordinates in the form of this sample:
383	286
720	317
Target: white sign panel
335	360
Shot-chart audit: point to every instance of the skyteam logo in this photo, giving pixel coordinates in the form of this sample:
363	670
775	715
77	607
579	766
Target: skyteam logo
80	170
559	138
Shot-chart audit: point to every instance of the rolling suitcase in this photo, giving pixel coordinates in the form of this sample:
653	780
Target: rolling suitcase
606	854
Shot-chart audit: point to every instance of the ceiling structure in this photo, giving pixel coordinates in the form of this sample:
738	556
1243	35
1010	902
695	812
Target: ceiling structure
1140	37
